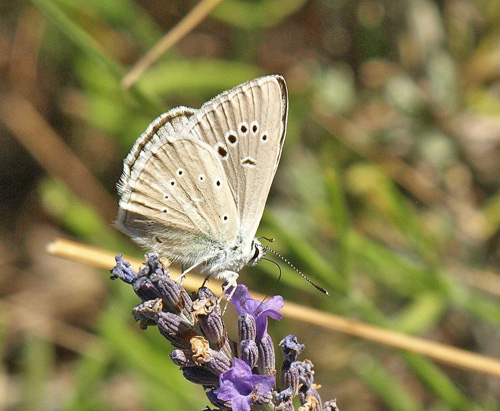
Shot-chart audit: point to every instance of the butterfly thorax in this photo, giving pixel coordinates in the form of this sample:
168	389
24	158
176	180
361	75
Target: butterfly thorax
235	258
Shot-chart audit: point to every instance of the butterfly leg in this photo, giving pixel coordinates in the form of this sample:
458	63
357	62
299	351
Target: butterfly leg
231	278
180	279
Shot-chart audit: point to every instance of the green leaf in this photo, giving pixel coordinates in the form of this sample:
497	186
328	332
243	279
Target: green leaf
256	14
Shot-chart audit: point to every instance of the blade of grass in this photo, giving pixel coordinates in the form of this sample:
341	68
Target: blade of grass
307	257
420	316
341	221
90	370
439	383
77	35
386	386
38	359
90	47
124	15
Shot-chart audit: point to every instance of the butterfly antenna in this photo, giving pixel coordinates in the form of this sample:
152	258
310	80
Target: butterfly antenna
318	287
279	275
277	281
271	240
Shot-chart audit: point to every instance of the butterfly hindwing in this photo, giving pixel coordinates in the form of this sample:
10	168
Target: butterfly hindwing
180	203
246	128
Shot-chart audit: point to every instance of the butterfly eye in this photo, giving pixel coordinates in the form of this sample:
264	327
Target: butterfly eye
256	254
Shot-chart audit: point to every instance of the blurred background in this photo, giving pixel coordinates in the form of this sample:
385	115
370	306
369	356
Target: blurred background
387	191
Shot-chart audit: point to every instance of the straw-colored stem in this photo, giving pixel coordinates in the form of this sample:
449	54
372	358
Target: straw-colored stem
442	353
188	23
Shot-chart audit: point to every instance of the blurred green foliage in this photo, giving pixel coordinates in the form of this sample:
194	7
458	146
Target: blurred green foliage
385	98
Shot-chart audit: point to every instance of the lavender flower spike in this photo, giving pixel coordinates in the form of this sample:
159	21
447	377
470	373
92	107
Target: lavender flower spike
243	388
123	270
236	374
243	303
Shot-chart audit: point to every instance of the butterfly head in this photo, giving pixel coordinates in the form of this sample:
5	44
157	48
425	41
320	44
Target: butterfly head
257	252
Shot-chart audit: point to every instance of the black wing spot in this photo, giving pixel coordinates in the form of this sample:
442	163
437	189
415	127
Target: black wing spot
243	128
248	161
232	138
264	137
255	127
222	151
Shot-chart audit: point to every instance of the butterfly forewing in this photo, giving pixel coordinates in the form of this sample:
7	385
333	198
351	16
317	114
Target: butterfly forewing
180	203
167	126
246	129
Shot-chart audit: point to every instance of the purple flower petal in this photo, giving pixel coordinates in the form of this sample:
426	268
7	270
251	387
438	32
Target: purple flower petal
235	381
239	298
263	383
240	404
244	303
241	387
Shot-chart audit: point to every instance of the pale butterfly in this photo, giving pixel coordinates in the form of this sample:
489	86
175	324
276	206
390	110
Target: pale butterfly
195	183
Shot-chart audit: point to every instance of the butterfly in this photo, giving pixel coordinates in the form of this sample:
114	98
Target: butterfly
195	183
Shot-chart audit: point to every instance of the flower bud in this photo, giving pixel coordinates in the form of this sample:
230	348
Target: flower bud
182	358
284	400
247	329
249	352
289	376
147	313
200	375
123	270
310	403
266	356
331	405
221	404
175	329
291	347
210	320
